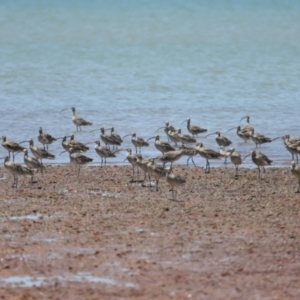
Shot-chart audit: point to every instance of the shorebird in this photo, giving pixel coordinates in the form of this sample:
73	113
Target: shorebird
45	138
295	169
32	163
156	171
185	138
291	145
77	120
244	134
174	181
106	139
258	138
221	140
207	154
16	170
115	137
225	153
39	153
143	165
138	142
11	147
64	143
78	159
161	146
132	159
193	129
167	128
260	160
170	157
236	159
103	152
247	125
76	145
190	152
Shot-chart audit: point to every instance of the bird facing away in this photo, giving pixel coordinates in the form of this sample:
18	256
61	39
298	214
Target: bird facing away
225	153
175	181
132	159
295	169
77	120
244	134
156	171
260	159
190	152
45	138
185	138
143	165
78	159
208	154
138	142
258	138
161	146
117	140
221	140
247	126
103	152
236	159
11	147
16	170
76	145
193	129
106	139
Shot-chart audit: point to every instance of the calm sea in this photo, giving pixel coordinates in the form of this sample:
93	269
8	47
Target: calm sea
134	64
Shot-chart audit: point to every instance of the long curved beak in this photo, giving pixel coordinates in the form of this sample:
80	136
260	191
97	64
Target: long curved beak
63	152
184	121
94	130
151	138
209	134
231	129
246	156
279	137
109	128
23	142
64	110
243	118
126	135
89	143
160	128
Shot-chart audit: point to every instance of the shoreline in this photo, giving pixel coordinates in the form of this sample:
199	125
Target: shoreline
103	236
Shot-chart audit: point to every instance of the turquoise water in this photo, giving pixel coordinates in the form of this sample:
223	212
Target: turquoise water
136	64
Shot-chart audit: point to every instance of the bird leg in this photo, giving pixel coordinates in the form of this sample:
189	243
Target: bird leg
298	191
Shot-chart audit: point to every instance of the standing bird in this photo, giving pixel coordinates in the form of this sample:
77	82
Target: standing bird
244	134
39	153
170	157
16	170
132	159
236	159
295	169
45	138
193	129
225	153
76	145
161	146
103	152
221	140
260	160
78	159
190	152
258	138
156	171
32	163
185	138
106	139
115	137
168	129
11	147
77	120
143	165
207	154
174	181
247	125
138	142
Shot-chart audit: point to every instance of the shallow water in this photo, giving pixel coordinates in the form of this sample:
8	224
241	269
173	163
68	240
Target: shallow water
135	64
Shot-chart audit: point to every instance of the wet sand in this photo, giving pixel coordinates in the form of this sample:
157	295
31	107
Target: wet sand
104	237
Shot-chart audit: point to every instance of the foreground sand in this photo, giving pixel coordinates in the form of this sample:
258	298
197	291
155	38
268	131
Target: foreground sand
103	237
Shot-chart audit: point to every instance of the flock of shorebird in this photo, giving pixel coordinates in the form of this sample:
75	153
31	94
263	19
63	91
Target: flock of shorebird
169	152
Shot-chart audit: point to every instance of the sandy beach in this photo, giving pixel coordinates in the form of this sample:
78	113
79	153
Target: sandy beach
104	237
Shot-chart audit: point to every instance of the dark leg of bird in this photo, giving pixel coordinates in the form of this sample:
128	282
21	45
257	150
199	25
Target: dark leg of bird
264	170
298	191
187	162
194	162
78	172
258	172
